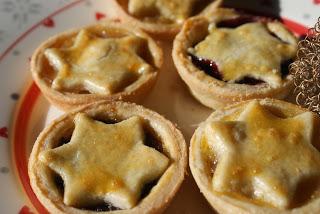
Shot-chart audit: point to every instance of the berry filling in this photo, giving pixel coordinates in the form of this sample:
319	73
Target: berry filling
285	67
208	66
235	22
249	81
101	207
211	69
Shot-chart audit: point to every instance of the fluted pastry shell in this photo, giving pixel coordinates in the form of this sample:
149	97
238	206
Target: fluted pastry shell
203	167
208	90
165	31
44	74
172	143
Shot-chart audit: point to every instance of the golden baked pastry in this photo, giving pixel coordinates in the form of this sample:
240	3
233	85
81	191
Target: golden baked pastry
161	18
106	61
229	56
259	156
108	156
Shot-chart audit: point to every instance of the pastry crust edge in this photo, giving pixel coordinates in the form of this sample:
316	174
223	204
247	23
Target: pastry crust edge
207	90
66	101
157	30
161	194
226	204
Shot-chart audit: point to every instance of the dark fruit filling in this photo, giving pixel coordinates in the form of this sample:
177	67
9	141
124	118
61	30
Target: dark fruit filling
211	69
250	81
101	207
305	190
152	140
285	67
235	22
302	37
208	66
147	188
59	183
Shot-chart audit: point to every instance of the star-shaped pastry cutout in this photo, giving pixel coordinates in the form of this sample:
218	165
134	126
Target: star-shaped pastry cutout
176	10
98	65
105	162
263	156
249	50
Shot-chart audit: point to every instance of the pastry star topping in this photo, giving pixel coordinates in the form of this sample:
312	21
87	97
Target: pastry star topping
171	9
105	162
263	156
98	65
248	51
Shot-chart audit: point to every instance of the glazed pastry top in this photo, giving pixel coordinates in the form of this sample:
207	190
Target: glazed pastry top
254	50
105	163
98	65
262	156
175	10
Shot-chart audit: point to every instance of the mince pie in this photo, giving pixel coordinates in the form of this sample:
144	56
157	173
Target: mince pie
106	61
161	17
231	56
108	156
259	156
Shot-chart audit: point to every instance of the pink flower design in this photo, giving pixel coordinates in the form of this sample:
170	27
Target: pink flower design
4	132
48	22
100	15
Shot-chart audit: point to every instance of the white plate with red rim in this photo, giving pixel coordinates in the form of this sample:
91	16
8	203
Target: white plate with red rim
25	112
